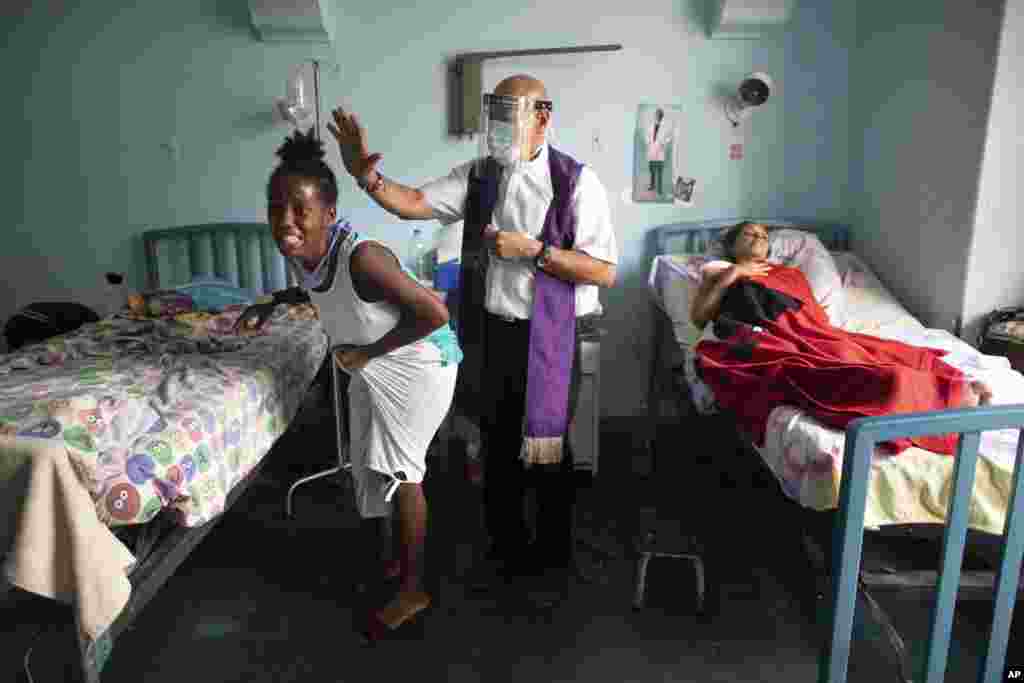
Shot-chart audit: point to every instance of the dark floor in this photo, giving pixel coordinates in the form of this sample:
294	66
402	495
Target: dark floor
264	598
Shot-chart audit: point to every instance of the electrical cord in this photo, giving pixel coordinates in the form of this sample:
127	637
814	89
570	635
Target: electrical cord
28	652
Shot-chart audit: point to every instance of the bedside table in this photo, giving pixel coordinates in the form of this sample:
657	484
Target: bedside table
1006	339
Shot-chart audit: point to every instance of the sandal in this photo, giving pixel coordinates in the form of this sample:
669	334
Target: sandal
385	624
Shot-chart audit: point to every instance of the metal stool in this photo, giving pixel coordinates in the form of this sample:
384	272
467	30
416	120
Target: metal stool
341	424
647	553
645	545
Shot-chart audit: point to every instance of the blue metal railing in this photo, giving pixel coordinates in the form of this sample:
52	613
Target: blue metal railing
861	437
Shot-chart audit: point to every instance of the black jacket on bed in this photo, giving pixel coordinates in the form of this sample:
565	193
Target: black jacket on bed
744	305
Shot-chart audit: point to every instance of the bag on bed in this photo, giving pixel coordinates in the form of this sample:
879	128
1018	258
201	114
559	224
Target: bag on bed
39	321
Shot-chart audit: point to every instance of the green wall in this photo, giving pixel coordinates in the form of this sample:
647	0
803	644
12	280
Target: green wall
101	95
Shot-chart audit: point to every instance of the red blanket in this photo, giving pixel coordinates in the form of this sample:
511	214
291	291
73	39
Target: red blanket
800	359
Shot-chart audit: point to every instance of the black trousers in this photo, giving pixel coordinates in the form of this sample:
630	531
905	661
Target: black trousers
506	479
656	174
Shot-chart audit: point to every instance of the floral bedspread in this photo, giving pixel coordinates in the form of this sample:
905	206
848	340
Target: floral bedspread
161	413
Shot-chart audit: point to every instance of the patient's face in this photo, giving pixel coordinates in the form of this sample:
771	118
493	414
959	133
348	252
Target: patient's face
752	243
299	219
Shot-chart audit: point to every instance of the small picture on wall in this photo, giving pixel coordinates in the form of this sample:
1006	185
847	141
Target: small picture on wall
657	169
682	192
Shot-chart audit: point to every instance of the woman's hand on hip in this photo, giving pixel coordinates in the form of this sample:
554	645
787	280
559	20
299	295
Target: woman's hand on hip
351	358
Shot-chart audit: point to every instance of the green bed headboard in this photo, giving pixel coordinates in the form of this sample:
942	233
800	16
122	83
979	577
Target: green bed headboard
242	253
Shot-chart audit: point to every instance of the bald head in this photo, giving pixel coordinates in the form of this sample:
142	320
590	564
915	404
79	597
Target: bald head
522	85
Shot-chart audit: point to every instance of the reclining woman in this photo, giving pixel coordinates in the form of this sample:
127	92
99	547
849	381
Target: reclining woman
773	344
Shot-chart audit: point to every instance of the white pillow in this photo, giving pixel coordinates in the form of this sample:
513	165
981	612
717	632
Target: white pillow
680	278
803	250
678	281
869	305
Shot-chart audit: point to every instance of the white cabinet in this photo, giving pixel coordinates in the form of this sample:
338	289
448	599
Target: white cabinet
747	19
585	429
304	21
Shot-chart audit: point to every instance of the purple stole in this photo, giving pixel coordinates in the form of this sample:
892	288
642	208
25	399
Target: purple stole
552	321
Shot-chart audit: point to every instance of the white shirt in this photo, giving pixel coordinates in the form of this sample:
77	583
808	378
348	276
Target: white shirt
523	199
656	144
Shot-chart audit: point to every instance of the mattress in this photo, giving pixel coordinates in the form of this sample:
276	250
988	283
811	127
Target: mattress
161	413
123	418
807	458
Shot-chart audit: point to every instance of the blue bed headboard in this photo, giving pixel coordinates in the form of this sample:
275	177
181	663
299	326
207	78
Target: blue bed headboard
696	237
242	253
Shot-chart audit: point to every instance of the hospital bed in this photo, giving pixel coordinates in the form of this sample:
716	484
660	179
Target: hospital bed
907	494
124	442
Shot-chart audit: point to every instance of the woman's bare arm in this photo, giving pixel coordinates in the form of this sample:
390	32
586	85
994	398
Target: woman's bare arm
713	287
709	296
377	276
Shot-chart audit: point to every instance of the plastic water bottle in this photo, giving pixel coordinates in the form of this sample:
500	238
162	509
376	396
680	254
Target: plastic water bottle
420	261
418	254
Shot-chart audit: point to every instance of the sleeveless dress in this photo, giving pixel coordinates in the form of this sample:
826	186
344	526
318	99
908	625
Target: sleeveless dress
398	400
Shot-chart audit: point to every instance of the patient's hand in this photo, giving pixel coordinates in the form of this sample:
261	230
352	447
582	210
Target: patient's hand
752	268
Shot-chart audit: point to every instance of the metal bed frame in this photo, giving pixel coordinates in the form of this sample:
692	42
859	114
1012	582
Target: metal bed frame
861	436
341	425
819	545
242	253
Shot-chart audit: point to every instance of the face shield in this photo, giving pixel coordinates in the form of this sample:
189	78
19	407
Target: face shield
506	124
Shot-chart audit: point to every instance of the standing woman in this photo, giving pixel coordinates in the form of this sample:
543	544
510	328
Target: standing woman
395	343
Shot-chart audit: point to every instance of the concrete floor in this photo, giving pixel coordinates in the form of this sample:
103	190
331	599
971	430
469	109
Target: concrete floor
264	598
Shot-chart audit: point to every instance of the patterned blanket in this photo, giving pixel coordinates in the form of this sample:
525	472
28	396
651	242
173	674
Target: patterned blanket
110	424
162	413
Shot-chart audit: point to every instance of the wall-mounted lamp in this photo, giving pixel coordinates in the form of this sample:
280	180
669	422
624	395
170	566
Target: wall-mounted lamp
752	92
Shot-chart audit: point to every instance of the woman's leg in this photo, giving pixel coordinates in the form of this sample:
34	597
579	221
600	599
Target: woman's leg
410	531
373	532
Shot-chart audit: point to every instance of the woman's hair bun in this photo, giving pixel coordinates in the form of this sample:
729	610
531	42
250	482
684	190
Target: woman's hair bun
301	148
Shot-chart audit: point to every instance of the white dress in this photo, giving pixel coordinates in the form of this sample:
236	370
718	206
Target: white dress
397	401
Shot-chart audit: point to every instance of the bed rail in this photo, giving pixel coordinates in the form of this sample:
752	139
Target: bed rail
861	437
